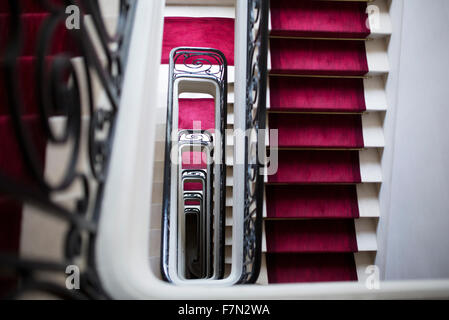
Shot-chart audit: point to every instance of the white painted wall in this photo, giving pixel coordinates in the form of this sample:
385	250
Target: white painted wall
413	233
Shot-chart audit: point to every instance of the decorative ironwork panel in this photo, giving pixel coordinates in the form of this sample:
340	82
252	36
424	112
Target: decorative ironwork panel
61	84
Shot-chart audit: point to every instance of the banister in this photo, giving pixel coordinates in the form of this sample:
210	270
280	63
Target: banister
254	126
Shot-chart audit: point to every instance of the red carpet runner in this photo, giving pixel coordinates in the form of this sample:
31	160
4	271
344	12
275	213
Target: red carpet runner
217	33
197	113
318	57
11	159
312	199
297	94
318	130
330	19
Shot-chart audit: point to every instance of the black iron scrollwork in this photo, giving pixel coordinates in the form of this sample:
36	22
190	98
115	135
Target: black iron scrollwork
256	88
193	62
58	89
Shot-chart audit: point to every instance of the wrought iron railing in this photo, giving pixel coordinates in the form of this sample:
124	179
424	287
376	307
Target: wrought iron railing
256	90
58	87
255	122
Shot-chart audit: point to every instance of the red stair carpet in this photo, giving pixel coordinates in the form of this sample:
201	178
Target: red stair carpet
297	94
318	57
312	202
296	236
318	130
11	159
316	101
197	113
317	167
327	19
217	33
307	267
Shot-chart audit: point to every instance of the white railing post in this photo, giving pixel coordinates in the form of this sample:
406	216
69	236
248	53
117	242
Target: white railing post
241	54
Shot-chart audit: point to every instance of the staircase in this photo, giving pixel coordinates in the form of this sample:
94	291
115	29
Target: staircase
204	26
327	67
326	98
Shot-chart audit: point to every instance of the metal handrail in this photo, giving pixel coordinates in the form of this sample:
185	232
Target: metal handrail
256	88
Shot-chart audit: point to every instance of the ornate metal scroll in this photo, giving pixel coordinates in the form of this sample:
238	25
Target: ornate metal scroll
191	63
59	91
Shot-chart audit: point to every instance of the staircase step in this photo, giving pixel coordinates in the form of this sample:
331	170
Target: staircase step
373	133
303	94
318	130
328	58
311	202
368	200
321	202
297	236
365	231
310	267
202	32
318	57
200	9
311	166
370	166
288	94
326	131
326	19
196	114
375	96
327	167
363	260
377	57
